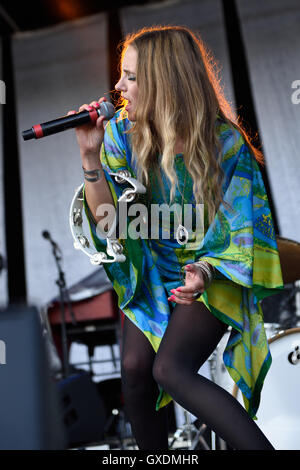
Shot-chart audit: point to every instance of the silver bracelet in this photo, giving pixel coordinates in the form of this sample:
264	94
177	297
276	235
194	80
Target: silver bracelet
92	175
207	270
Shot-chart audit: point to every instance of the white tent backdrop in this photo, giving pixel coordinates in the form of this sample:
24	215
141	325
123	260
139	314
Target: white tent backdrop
3	275
203	16
59	68
271	32
56	69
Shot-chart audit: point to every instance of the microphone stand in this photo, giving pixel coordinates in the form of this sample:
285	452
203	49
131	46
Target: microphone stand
1	263
62	291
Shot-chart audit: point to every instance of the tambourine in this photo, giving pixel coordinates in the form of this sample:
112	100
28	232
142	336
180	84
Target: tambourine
114	248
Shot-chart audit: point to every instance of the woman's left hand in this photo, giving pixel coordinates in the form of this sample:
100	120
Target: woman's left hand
194	282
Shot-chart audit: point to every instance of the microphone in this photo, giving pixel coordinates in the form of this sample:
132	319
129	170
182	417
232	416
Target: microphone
47	236
68	122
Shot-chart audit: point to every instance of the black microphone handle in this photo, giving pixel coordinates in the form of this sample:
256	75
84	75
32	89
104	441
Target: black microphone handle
68	122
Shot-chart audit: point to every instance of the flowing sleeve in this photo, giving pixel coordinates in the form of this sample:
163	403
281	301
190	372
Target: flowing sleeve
116	155
242	247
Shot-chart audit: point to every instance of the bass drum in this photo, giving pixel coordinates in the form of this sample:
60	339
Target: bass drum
278	415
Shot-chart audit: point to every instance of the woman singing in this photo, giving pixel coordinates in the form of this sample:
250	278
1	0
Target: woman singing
176	134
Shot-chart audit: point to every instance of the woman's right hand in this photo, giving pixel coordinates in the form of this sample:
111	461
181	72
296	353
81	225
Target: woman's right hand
90	136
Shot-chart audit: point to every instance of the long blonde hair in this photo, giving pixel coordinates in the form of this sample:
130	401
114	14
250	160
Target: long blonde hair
180	96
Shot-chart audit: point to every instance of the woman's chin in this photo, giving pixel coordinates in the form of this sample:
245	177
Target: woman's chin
131	115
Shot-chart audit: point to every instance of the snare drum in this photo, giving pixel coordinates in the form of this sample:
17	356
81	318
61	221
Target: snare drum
278	415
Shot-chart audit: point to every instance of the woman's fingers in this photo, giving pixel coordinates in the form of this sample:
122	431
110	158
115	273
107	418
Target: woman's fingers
193	283
89	107
182	295
188	291
85	107
188	296
100	121
95	104
181	301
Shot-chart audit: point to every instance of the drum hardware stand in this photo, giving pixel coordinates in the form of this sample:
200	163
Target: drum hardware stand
212	367
297	302
124	434
2	264
294	318
192	432
63	293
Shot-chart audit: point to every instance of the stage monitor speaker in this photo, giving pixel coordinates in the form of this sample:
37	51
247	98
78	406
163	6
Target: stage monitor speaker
83	410
30	417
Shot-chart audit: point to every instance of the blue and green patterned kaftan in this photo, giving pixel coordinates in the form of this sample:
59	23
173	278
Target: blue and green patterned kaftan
244	255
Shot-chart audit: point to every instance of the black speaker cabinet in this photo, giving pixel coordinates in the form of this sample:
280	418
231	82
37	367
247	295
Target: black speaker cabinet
83	410
30	417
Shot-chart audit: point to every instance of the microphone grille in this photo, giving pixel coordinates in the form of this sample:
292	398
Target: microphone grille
107	110
46	234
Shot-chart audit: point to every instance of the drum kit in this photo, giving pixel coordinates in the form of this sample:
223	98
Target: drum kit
279	412
278	415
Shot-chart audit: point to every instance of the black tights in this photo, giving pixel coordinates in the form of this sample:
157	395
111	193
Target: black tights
191	336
